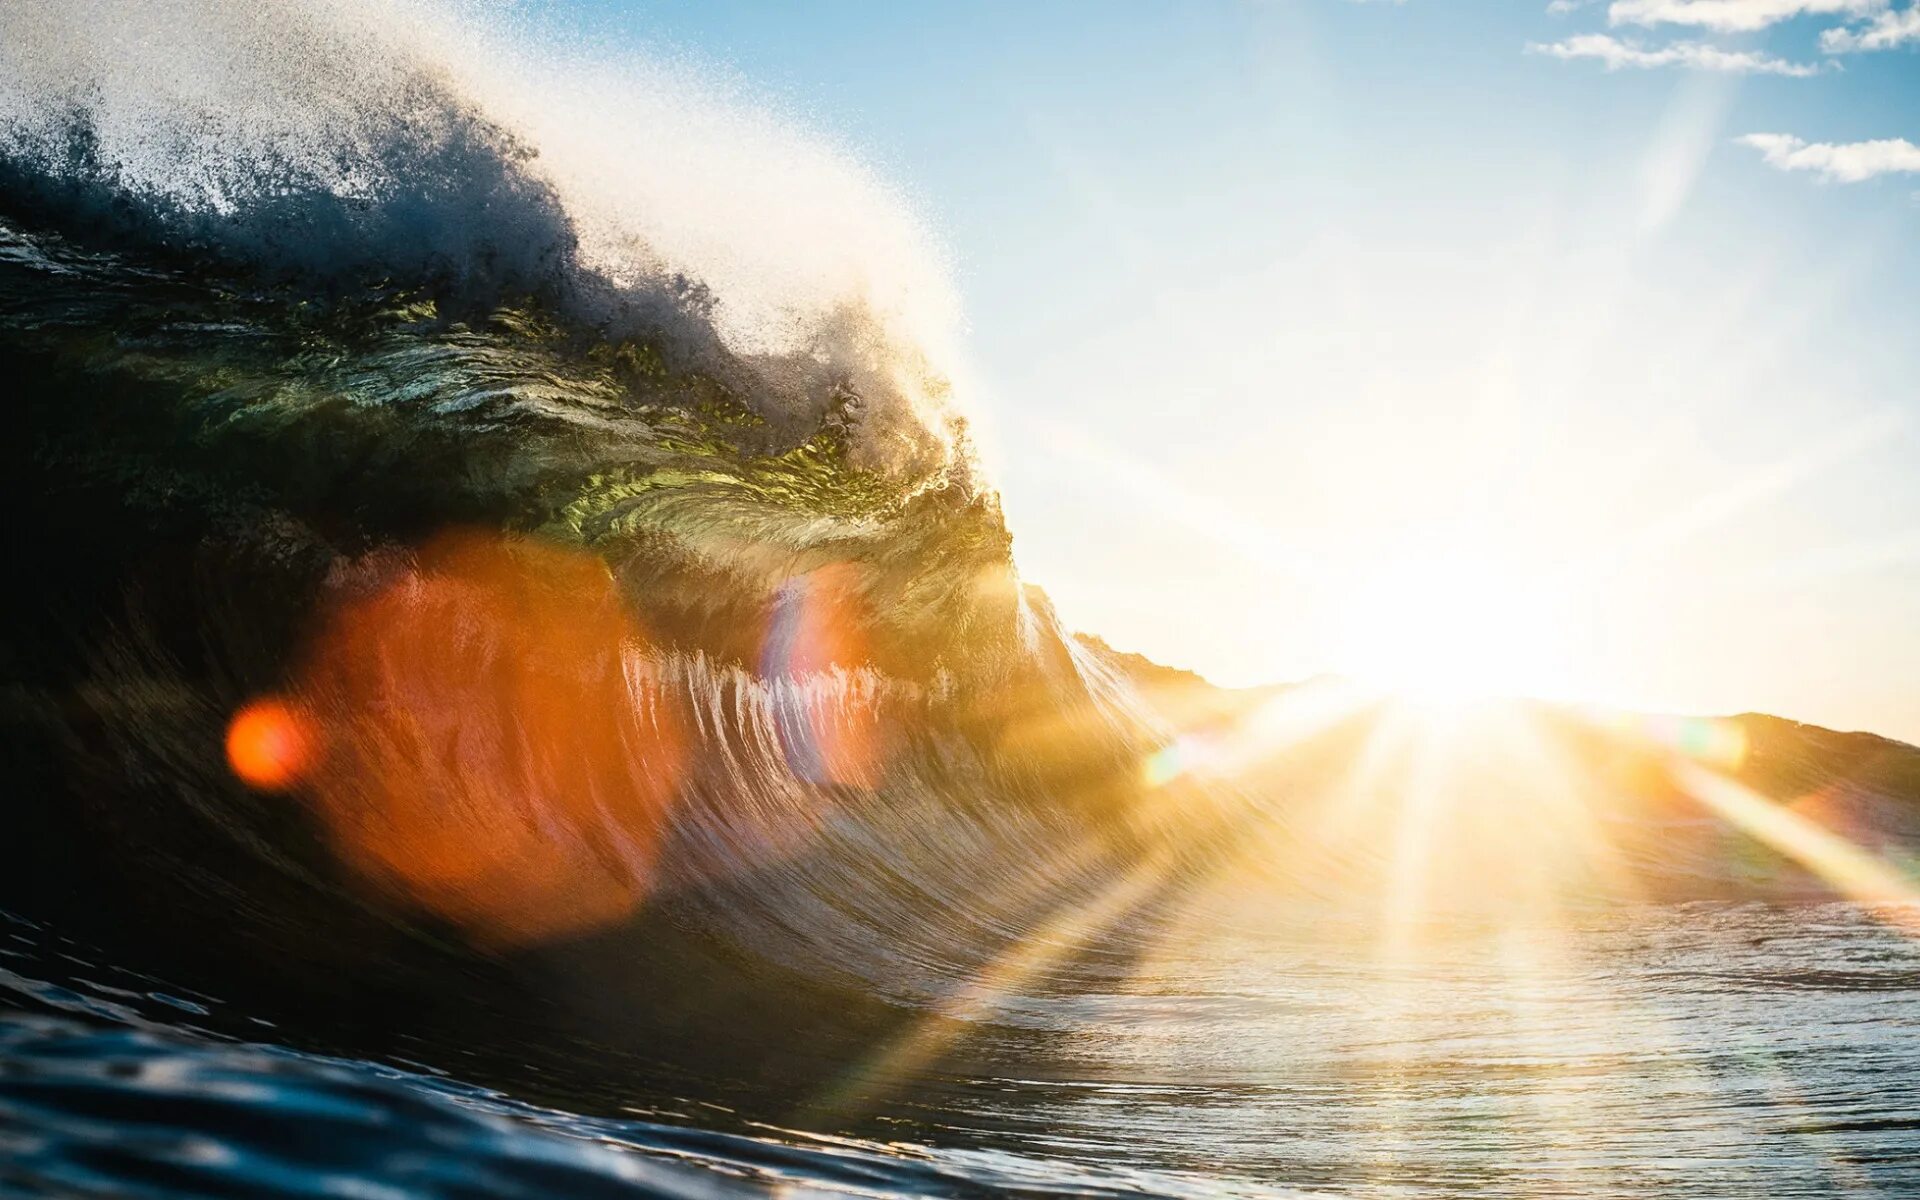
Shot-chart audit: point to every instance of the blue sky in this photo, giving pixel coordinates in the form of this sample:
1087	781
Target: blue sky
1279	311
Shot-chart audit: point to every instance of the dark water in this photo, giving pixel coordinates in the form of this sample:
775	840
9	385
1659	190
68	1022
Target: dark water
1706	1049
479	723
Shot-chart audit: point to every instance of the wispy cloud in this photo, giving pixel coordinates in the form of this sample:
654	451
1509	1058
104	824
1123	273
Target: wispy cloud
1844	162
1616	55
1734	16
1886	31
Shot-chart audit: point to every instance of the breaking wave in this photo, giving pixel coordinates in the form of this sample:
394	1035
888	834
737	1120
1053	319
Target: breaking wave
454	148
508	599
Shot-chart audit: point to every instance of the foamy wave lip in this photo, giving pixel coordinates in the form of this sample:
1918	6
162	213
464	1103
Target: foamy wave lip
444	144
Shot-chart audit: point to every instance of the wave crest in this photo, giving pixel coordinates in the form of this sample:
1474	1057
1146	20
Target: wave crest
443	147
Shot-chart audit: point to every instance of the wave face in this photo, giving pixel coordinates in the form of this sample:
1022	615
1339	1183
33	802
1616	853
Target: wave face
514	686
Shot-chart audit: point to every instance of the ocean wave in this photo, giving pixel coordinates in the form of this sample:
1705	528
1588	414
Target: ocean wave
447	148
507	589
428	647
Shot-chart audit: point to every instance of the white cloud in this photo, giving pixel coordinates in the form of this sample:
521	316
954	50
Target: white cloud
1895	27
1847	162
1617	54
1734	16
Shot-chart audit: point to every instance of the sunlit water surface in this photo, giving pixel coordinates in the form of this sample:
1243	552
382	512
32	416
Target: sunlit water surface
1699	1049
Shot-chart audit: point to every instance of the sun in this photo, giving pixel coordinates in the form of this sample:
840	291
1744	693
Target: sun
1450	623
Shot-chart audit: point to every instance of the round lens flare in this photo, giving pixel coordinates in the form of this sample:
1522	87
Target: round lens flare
500	754
270	745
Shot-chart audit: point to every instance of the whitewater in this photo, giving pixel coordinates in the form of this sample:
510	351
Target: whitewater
517	684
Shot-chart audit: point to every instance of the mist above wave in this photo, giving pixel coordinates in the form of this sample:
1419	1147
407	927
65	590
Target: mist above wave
457	149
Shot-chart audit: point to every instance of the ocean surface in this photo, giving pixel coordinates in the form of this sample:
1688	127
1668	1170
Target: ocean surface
514	683
1707	1049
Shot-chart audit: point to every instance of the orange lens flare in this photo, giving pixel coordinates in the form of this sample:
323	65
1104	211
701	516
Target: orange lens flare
270	745
502	757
